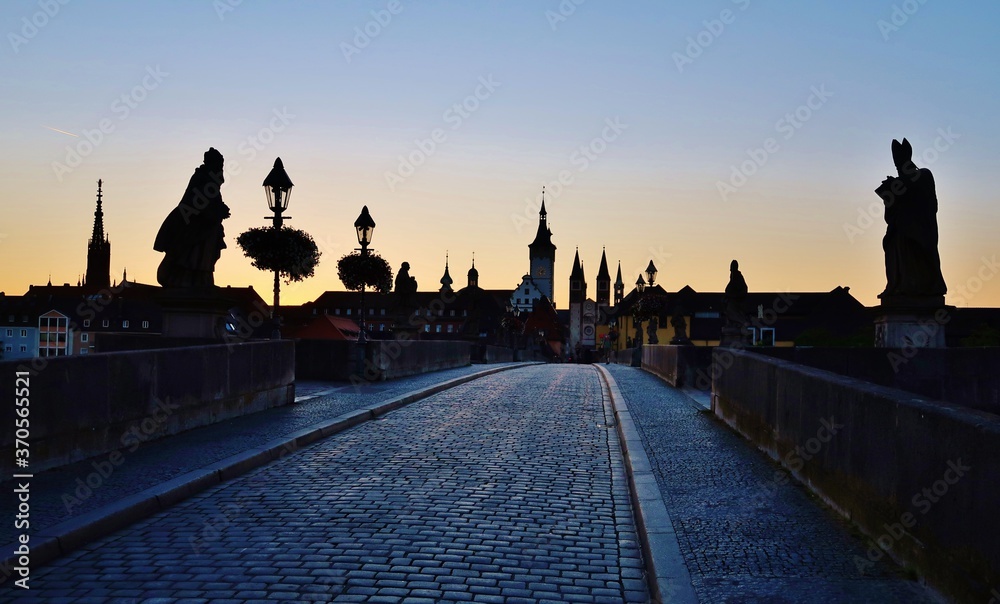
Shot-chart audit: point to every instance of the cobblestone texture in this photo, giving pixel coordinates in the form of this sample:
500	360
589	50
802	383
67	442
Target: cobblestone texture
161	460
508	489
745	536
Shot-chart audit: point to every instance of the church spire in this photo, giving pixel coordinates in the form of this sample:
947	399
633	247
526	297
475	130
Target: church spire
619	285
543	237
98	235
604	281
446	280
98	249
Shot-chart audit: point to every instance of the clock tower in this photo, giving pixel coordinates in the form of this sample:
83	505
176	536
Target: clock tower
542	255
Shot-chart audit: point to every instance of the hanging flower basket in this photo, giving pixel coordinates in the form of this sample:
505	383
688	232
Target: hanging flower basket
290	252
357	271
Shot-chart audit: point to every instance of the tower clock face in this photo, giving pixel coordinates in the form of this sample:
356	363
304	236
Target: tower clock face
540	271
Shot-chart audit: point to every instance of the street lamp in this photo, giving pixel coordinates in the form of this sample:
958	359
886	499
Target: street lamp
365	227
278	188
640	286
651	273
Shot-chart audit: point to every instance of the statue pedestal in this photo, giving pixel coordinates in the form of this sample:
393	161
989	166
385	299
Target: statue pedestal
194	313
911	322
734	337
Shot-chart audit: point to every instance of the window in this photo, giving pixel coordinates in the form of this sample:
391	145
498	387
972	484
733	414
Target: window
24	348
381	326
371	311
85	337
24	333
10	333
336	311
765	337
348	312
145	324
382	312
527	291
427	327
84	350
437	328
86	322
124	324
104	323
452	313
451	328
9	349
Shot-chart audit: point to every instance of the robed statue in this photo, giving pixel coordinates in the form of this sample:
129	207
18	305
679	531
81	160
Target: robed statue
912	264
406	286
191	236
734	317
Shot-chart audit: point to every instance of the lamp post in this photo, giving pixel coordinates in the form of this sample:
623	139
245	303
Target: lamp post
365	227
651	273
278	188
640	286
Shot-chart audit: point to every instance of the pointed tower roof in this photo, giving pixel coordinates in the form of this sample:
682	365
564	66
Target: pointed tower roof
98	235
618	280
543	237
446	280
577	272
602	273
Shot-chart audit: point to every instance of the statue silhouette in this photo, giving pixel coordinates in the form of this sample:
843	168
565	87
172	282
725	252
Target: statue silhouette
191	236
734	318
405	288
912	264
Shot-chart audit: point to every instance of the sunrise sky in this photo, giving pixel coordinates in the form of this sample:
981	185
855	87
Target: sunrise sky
690	133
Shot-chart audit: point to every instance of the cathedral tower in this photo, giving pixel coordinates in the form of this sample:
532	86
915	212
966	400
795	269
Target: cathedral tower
98	251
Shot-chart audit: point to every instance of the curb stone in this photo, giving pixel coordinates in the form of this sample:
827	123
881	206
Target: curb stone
667	574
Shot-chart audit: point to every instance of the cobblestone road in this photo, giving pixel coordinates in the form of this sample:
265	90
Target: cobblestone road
745	536
508	489
61	493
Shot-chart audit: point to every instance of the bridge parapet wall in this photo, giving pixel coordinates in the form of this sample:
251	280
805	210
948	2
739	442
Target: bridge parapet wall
920	477
82	406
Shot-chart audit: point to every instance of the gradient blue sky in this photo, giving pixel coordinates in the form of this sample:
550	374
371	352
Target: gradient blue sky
652	192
